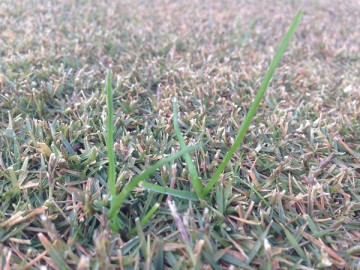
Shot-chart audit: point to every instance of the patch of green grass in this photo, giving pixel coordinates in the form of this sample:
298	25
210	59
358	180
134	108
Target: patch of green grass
117	200
286	195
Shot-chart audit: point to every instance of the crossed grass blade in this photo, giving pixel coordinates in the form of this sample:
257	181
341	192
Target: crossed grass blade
117	201
191	196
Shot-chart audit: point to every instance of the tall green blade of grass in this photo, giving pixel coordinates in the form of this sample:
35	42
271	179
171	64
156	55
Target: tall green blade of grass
245	125
195	179
110	135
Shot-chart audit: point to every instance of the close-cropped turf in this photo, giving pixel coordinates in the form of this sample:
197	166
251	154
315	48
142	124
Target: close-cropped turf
184	75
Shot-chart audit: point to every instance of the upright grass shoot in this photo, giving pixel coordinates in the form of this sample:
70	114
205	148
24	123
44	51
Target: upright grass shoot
195	179
118	199
259	96
110	134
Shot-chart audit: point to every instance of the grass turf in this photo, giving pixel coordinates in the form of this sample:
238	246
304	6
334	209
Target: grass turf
290	196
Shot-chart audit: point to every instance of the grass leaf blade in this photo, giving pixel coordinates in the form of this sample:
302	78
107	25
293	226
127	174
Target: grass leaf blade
245	125
195	179
110	134
170	191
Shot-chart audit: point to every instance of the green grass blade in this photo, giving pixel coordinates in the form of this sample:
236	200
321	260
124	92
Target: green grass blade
141	235
195	179
119	199
110	134
258	244
245	125
148	215
169	191
241	181
294	243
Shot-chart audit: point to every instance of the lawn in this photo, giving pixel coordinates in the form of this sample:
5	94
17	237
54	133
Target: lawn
116	115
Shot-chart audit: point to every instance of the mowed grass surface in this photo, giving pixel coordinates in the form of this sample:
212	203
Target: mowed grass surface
290	198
